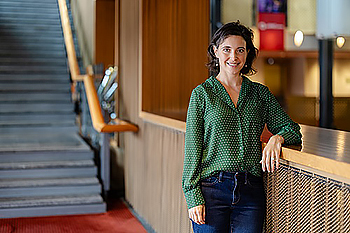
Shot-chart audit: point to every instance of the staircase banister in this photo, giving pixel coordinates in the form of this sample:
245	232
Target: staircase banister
68	39
96	111
98	122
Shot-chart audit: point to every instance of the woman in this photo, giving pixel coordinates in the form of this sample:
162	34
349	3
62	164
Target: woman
224	161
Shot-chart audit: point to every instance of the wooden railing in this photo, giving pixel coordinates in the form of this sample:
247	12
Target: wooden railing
98	122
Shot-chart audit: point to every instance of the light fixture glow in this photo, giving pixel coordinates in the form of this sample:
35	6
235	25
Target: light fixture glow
298	38
340	41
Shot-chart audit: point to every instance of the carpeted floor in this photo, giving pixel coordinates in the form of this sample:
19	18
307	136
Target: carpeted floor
118	219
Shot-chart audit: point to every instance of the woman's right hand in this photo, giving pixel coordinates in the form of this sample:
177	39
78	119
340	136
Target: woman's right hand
197	214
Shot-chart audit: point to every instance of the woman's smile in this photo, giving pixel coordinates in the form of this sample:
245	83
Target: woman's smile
232	55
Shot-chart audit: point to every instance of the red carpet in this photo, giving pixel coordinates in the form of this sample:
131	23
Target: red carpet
117	220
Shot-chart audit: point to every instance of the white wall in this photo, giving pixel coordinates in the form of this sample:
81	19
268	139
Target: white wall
83	16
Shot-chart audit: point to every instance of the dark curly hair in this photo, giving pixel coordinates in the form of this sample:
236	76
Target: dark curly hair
230	29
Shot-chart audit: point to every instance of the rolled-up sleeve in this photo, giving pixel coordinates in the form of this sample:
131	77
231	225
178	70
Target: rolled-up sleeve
278	121
193	151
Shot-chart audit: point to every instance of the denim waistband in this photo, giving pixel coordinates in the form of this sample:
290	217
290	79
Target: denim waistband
236	175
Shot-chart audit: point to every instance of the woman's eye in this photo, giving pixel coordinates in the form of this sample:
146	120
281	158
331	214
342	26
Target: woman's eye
226	50
241	50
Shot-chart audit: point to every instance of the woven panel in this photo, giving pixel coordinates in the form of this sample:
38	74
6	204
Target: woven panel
301	201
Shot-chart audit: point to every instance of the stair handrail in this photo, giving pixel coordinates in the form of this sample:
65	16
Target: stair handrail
69	42
98	122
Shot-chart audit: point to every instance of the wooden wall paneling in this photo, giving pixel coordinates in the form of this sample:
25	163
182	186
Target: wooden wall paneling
174	42
105	32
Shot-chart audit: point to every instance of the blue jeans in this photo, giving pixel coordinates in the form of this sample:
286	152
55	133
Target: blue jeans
234	202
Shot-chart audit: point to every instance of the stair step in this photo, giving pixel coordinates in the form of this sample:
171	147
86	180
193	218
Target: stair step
35	1
33	61
43	53
33	96
16	139
45	164
20	38
36	108
65	208
49	201
35	123
60	172
50	190
22	4
21	34
25	80
29	47
22	183
33	69
19	87
36	120
35	76
30	15
29	21
28	9
40	27
82	153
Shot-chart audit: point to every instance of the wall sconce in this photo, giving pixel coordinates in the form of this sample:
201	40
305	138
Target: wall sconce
298	38
340	41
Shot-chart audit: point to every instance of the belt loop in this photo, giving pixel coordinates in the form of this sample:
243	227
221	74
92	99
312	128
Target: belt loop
220	176
246	178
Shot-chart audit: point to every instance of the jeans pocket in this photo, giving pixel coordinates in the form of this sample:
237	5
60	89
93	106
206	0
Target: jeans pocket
256	182
210	181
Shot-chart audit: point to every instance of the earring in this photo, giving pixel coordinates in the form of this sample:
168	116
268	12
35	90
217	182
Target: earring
216	62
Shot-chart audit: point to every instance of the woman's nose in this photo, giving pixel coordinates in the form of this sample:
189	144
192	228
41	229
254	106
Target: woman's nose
233	55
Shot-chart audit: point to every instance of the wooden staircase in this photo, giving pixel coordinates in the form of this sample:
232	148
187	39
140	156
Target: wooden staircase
45	167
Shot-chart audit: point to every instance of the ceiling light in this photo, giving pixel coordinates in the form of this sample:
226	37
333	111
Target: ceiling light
340	41
298	38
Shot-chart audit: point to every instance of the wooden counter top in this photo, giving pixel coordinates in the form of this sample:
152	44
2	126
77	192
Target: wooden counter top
328	143
323	149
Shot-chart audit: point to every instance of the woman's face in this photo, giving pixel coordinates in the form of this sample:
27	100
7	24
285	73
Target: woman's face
232	54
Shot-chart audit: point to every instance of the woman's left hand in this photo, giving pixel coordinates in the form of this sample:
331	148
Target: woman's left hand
271	153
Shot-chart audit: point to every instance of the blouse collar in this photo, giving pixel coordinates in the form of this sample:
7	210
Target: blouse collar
221	92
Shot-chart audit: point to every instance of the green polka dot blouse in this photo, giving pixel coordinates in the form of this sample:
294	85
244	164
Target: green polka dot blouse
221	137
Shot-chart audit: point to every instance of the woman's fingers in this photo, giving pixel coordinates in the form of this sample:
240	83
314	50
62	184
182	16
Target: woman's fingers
268	159
200	215
203	214
197	214
277	161
263	158
273	158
